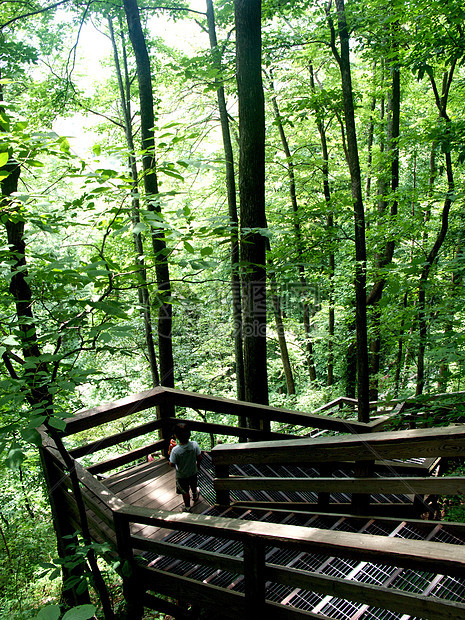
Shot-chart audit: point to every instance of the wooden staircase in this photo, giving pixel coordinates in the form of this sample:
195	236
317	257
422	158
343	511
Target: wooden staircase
318	527
334	573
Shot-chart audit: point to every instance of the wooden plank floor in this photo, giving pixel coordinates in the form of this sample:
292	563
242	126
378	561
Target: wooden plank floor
151	485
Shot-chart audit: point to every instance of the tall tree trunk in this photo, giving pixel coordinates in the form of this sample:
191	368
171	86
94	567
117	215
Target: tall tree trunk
441	103
385	258
37	376
252	196
343	59
400	349
232	208
329	225
331	311
278	318
144	76
142	284
298	235
371	126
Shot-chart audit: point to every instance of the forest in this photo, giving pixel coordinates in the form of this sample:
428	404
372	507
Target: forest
259	200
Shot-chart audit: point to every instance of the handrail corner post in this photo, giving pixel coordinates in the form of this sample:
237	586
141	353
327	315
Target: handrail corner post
254	578
222	496
133	588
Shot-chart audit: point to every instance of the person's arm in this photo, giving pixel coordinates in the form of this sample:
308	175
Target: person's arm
173	458
199	456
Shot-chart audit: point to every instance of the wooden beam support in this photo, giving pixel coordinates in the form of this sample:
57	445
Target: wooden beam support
448	485
253	410
114	411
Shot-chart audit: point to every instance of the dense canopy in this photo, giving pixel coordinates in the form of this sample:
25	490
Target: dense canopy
251	199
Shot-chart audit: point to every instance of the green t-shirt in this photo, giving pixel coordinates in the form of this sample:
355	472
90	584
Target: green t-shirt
184	456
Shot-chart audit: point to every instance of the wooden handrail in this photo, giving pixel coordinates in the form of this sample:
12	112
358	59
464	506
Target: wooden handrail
444	441
373	595
418	554
127	457
167	398
161	396
449	485
241	408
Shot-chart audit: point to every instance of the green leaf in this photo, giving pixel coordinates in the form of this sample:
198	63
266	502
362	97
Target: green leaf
54	574
51	612
4	157
14	457
31	436
109	308
139	227
57	423
81	586
189	247
173	174
81	612
10	341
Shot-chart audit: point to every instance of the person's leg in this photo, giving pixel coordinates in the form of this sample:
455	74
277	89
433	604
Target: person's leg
195	488
182	488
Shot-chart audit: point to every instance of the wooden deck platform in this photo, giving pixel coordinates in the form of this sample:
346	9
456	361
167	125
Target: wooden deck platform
151	485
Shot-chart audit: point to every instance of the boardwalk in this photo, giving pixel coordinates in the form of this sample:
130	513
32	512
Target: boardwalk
287	527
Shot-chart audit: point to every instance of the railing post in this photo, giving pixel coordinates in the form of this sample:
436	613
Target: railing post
361	501
324	496
222	497
133	589
254	578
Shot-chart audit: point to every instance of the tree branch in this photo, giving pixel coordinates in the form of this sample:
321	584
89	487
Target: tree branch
37	12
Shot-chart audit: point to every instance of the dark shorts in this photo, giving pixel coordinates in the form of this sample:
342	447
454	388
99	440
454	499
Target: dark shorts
183	485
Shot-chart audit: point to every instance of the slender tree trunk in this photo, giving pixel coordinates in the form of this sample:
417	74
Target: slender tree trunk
400	349
385	258
278	317
370	137
441	103
142	285
331	311
329	226
232	208
252	196
298	235
343	60
351	365
165	348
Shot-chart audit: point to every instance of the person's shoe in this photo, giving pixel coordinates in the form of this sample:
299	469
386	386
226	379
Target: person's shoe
196	495
187	509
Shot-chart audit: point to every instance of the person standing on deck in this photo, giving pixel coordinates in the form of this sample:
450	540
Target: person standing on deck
186	457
